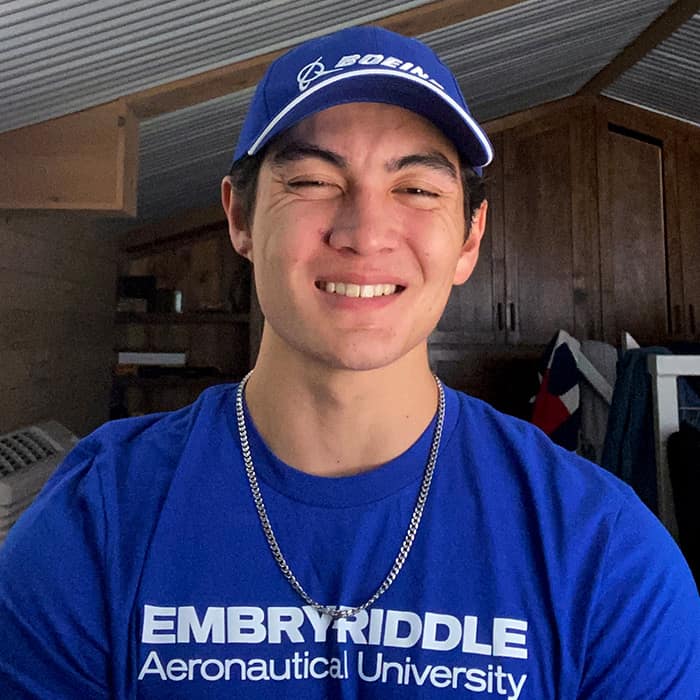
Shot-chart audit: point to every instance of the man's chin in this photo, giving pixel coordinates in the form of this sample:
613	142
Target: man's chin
369	357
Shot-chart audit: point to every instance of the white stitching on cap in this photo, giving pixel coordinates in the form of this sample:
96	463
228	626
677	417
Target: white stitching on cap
476	129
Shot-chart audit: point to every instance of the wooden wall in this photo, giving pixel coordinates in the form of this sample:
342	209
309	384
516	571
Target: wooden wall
57	291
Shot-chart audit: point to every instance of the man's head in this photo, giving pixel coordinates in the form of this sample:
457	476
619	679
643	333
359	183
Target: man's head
352	177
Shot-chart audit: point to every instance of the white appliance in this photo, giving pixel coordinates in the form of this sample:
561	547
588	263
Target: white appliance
28	456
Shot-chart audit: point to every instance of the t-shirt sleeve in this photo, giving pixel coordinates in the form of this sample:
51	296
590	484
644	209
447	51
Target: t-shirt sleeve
53	616
644	631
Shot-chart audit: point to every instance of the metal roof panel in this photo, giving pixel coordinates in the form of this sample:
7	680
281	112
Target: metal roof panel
667	79
63	56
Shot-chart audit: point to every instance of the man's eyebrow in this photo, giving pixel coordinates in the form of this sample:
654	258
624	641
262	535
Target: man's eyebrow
435	160
296	150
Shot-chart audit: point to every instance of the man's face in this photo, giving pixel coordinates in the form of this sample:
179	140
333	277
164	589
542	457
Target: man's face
358	235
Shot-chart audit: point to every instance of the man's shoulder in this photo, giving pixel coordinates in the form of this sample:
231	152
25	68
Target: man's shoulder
516	449
123	471
146	450
166	431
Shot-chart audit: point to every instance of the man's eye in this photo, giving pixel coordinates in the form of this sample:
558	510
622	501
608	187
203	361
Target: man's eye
309	183
419	191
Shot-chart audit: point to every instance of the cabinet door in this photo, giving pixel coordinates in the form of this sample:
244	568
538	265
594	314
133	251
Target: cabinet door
538	186
633	239
689	211
475	312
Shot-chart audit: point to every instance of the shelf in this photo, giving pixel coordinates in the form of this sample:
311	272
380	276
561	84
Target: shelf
187	317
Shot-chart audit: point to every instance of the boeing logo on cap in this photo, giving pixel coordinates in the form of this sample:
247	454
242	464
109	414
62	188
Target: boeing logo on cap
316	69
311	72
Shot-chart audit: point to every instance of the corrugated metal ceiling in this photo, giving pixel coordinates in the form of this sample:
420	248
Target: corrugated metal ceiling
667	79
539	50
184	155
62	56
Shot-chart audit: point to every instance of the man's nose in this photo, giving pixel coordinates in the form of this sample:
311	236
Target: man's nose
363	224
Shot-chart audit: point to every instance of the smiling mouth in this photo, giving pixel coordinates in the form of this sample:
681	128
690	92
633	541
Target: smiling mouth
363	291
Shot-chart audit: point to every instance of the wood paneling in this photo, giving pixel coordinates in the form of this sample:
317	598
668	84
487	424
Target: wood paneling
600	210
57	282
535	114
186	224
83	161
655	125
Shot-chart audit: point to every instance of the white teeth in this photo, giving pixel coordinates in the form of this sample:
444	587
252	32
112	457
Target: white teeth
365	291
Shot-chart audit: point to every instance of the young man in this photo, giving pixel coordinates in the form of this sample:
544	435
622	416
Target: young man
340	525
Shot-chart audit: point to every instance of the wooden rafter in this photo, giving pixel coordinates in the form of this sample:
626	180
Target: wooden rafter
661	28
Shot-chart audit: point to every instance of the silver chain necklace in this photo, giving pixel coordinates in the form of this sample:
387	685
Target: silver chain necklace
332	610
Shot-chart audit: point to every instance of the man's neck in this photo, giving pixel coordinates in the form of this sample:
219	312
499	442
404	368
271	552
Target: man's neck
340	422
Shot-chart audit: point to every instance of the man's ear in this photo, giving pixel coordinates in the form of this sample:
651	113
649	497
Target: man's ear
238	227
470	249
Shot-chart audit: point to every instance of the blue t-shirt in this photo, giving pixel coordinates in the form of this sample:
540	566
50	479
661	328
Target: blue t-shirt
141	571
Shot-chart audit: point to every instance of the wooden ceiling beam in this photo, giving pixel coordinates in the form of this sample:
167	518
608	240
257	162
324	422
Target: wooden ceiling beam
243	74
437	15
661	28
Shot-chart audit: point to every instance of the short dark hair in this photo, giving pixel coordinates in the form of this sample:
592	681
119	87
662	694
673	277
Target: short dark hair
244	179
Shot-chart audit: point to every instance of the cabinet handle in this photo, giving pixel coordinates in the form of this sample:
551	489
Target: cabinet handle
511	316
499	315
691	317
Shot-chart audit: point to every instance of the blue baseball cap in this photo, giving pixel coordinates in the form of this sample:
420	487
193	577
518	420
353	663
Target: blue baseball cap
361	64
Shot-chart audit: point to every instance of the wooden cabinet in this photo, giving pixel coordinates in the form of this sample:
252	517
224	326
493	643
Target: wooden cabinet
649	213
550	283
535	273
594	228
216	328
